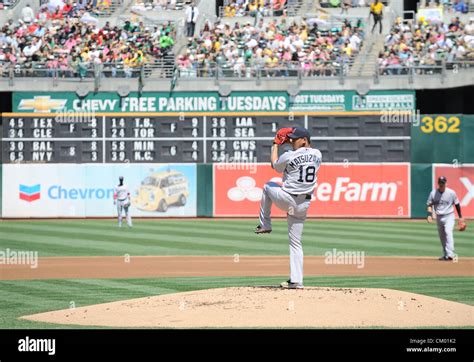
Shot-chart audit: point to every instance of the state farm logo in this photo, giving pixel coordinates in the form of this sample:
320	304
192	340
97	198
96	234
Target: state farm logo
349	191
361	190
30	193
343	189
245	189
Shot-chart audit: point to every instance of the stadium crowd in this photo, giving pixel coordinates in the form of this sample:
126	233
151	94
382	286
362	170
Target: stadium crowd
142	6
68	39
274	46
426	45
254	7
461	6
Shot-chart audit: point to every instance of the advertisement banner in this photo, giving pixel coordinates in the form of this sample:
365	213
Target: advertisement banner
460	179
343	190
305	101
59	190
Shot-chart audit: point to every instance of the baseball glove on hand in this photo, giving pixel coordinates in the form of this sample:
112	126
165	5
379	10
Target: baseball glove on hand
282	136
462	225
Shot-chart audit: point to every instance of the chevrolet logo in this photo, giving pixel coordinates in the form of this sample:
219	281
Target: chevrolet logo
41	104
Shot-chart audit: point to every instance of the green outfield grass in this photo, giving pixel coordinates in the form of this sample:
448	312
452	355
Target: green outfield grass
18	298
209	237
223	237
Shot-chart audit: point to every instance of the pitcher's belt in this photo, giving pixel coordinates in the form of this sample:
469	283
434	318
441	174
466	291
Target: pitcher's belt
307	196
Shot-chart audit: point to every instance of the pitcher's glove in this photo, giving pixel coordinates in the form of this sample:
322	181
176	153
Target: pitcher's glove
462	225
282	136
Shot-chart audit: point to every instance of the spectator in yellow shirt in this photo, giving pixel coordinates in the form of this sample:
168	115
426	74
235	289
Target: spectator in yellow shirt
376	9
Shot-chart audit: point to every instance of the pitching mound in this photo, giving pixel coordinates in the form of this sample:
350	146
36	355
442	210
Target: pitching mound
271	307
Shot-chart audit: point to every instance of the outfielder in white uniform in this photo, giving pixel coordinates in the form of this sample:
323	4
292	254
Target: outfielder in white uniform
442	200
122	200
299	167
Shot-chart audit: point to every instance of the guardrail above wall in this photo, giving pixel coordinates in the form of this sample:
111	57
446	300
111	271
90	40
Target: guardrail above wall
153	74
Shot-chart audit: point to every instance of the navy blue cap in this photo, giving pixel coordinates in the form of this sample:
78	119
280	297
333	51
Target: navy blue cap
442	180
299	132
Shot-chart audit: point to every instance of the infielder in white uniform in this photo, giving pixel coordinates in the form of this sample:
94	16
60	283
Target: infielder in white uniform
299	167
122	200
442	200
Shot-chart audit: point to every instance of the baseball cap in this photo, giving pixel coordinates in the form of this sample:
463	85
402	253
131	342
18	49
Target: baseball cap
299	132
442	180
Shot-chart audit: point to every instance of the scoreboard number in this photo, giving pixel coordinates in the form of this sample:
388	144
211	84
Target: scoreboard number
19	123
440	124
172	138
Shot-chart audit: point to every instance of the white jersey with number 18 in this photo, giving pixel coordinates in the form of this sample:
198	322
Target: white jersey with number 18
300	170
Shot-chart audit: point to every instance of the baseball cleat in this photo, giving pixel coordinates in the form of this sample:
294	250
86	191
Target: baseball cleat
260	230
445	258
289	285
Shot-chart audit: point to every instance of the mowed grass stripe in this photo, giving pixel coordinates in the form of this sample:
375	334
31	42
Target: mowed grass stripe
173	239
218	246
402	227
93	246
99	237
138	233
123	286
44	248
32	291
52	247
221	227
317	246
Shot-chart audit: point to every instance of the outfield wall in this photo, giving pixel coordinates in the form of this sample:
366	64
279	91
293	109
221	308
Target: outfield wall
439	145
86	190
442	145
395	190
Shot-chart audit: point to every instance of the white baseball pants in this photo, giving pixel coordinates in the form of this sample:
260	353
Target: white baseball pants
445	230
296	208
122	206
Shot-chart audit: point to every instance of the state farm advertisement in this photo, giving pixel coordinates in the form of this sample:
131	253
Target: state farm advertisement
343	190
461	180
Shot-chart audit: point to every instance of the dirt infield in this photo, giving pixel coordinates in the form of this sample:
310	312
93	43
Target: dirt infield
249	307
228	266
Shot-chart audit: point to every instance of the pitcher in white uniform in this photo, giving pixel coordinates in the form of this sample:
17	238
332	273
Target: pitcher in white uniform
299	167
122	200
442	200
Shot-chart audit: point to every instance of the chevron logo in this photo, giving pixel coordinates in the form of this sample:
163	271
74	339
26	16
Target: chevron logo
30	193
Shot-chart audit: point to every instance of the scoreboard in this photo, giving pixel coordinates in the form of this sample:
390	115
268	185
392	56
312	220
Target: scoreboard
191	138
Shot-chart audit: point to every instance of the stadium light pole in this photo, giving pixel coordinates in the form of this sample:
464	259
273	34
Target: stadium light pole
224	92
293	91
81	93
362	89
123	91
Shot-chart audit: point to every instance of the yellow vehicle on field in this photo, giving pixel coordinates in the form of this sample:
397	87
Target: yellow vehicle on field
160	190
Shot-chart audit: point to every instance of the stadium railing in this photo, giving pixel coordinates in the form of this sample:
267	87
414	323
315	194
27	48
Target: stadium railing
9	4
441	69
291	8
329	69
447	6
161	70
